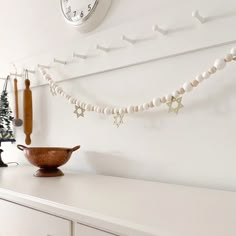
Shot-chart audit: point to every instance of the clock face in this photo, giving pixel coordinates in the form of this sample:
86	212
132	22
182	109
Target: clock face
78	11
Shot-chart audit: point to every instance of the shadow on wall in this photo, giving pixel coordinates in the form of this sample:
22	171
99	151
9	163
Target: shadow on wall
114	164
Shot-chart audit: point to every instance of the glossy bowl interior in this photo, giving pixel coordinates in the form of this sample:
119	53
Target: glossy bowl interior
47	158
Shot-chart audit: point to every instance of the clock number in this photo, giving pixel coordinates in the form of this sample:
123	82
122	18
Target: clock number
74	13
89	7
82	14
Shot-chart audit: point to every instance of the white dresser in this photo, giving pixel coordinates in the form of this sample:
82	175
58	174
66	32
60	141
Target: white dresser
93	205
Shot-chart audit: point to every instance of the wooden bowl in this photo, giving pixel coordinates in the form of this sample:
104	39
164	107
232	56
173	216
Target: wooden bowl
48	159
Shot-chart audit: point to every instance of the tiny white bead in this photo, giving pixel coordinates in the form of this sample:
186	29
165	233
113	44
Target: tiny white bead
116	110
175	94
205	75
130	109
145	106
107	111
140	107
199	78
47	77
233	51
83	105
71	100
88	107
156	102
187	86
97	109
51	83
168	97
121	111
229	57
64	95
58	90
220	64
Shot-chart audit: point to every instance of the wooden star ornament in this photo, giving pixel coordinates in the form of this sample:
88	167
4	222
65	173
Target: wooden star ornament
175	104
118	119
79	111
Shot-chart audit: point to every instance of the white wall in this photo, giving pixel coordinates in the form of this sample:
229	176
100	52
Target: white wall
197	147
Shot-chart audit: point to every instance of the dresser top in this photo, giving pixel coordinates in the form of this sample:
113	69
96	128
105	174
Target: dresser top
122	205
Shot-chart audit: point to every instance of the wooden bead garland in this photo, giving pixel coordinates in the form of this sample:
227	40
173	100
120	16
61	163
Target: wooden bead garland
81	107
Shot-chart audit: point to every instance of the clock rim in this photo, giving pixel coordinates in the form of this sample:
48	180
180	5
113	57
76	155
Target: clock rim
82	20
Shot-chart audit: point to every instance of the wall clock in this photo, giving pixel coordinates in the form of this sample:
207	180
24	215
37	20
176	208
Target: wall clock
84	14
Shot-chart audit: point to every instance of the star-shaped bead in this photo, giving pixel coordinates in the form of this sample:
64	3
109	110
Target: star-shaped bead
79	111
175	104
118	119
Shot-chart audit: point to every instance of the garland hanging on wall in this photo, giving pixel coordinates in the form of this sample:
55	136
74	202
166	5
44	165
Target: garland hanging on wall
172	100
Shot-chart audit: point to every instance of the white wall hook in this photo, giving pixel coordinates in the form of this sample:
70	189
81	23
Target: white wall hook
102	48
197	15
127	39
59	61
156	28
2	78
43	66
79	56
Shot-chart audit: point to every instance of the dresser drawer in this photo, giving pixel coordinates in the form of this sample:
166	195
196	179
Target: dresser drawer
17	220
83	230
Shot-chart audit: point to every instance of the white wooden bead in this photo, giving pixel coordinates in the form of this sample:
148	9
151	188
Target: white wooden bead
107	111
156	102
140	107
175	94
206	75
58	90
116	110
72	100
130	109
233	51
88	107
220	64
187	86
48	77
98	109
145	106
229	57
51	83
199	78
168	97
121	110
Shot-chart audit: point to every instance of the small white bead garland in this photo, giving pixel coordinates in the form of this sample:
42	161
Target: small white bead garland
155	102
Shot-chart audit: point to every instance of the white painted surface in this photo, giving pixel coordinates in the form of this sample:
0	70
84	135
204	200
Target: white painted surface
195	148
18	220
124	206
88	231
